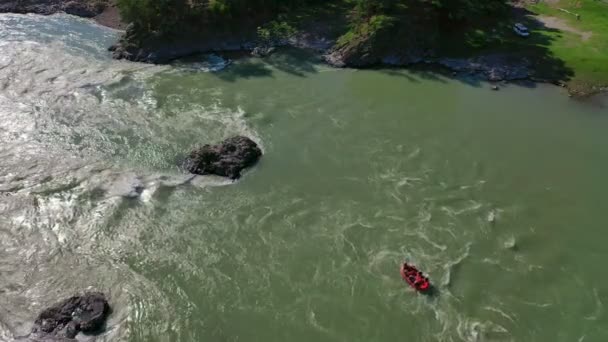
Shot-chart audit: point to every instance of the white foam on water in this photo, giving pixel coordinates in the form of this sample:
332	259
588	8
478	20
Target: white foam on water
500	312
510	242
61	198
205	63
599	307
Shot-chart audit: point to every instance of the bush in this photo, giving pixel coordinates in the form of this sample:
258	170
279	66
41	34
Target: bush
154	15
275	31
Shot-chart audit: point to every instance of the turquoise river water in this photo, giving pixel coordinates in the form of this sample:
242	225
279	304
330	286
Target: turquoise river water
499	196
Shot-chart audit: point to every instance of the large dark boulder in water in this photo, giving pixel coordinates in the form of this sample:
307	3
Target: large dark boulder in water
86	313
226	159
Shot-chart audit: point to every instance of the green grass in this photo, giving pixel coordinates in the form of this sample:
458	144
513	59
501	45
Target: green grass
588	59
556	54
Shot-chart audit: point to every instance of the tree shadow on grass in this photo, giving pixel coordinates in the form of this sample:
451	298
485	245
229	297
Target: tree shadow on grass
499	37
492	45
537	47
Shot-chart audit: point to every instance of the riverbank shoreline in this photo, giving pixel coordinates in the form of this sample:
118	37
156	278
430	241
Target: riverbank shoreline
103	12
493	67
318	36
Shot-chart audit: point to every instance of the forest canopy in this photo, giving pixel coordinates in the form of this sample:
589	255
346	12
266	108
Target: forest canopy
168	15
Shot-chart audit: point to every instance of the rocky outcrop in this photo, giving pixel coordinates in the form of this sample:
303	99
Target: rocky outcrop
315	41
86	313
161	50
356	54
226	159
352	57
399	45
494	67
81	8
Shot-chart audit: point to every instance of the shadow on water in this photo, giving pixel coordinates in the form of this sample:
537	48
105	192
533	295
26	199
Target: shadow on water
291	61
495	40
432	292
244	69
294	62
416	74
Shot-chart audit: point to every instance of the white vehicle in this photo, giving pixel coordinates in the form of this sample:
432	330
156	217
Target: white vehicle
521	30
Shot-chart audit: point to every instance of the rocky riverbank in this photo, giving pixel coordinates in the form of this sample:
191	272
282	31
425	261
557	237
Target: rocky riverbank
497	67
103	12
161	50
493	67
87	9
157	50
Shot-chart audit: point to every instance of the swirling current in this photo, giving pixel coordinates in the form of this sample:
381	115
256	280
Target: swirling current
499	196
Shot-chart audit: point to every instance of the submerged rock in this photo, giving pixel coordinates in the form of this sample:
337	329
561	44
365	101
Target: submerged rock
226	159
510	243
86	313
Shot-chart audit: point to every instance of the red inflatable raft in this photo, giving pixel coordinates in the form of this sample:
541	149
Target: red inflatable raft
415	278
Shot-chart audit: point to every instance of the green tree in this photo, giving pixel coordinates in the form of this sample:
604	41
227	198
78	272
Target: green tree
154	15
168	15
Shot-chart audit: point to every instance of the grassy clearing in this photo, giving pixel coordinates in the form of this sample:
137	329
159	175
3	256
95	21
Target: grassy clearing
565	48
497	36
587	57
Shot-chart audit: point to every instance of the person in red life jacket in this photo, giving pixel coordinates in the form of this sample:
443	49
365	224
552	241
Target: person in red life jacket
415	278
420	281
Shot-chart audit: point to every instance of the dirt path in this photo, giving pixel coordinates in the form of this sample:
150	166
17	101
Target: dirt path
561	24
111	17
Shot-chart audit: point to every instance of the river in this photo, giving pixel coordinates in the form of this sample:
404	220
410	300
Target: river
499	196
